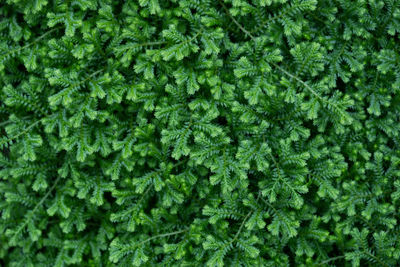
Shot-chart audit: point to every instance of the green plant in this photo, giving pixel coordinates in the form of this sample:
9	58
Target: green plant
199	133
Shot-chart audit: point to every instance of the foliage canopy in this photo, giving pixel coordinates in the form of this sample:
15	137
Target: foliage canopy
199	133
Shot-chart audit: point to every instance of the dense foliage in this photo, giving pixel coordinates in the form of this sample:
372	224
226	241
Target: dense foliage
199	133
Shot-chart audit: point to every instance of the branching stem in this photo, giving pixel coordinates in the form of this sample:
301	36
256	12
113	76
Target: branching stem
30	216
32	43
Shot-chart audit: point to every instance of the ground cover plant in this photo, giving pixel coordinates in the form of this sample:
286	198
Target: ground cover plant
199	133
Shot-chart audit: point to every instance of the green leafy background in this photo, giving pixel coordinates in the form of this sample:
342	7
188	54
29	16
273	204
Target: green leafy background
199	133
